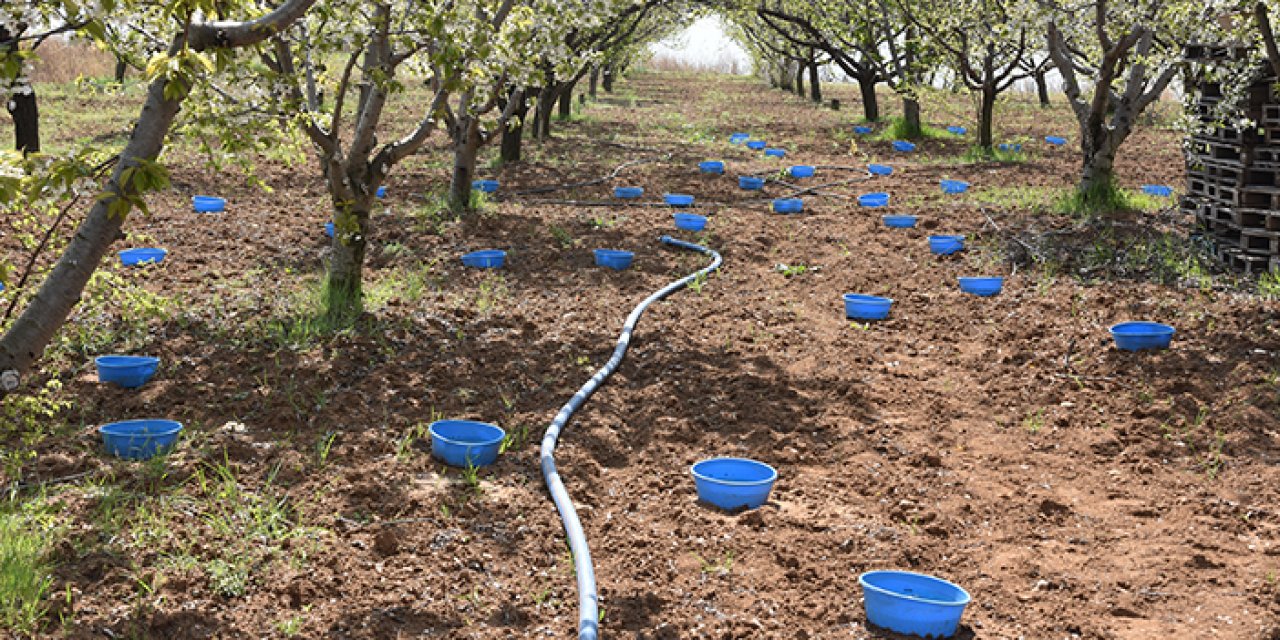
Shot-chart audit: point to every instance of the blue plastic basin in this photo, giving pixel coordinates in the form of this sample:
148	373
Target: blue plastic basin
711	166
739	138
801	171
129	372
208	204
139	439
954	186
733	483
1140	336
900	222
485	259
485	186
1014	148
775	153
614	258
878	199
788	205
987	286
690	221
678	199
858	306
755	145
134	257
1157	190
1055	140
628	193
328	229
750	183
913	603
903	146
957	131
861	130
382	191
946	245
880	169
465	443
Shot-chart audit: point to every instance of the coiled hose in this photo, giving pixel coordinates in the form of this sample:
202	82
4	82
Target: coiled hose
588	599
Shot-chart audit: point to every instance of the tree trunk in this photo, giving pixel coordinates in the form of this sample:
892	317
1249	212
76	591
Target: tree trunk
593	82
26	121
542	113
800	69
786	79
566	100
815	83
870	104
121	68
911	117
466	146
986	117
1042	88
1098	176
606	78
513	133
343	291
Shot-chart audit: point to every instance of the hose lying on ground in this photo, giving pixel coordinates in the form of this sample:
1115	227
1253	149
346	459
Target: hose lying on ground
588	600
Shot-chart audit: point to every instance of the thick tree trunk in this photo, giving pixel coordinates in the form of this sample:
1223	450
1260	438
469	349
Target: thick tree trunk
466	147
343	292
513	134
911	117
593	82
815	83
800	69
986	117
542	113
26	121
121	68
566	100
1042	88
606	78
786	79
1099	166
870	104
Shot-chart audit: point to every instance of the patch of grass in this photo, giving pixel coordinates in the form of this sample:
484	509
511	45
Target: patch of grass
1269	285
25	570
1034	199
1034	421
491	293
977	154
1105	198
897	129
561	236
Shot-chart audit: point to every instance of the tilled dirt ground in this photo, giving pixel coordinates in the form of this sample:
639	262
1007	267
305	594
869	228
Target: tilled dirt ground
1002	443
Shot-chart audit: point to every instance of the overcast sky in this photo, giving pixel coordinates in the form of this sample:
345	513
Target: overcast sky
704	43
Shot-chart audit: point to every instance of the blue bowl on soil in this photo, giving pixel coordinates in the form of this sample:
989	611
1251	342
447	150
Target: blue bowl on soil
862	130
465	443
739	138
775	153
485	259
755	145
878	199
733	483
382	191
1157	190
957	131
1140	336
913	603
711	166
485	186
903	146
628	193
801	171
880	169
900	222
139	439
614	258
129	372
858	306
328	229
690	221
946	245
954	186
134	257
678	199
788	205
1012	148
750	183
1056	141
208	204
984	287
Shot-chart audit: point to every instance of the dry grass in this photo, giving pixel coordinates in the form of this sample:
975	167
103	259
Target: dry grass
725	63
62	61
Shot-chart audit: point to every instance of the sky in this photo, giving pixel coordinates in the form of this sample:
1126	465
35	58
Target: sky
704	44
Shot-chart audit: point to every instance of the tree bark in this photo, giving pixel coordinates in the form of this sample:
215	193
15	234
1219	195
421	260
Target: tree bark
121	68
343	292
870	104
542	112
911	117
786	79
606	78
513	134
800	69
1042	88
466	147
26	121
1099	171
566	100
815	83
986	116
593	82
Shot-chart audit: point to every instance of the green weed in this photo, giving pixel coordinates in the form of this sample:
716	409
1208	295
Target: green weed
24	572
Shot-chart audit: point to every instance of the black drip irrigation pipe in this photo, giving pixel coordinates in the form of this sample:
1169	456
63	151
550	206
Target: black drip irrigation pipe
588	598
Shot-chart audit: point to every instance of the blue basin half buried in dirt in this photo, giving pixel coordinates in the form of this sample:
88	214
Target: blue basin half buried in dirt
129	372
913	603
954	186
750	183
946	245
328	229
1056	141
861	129
859	306
139	439
465	443
900	222
733	483
382	191
957	131
878	199
690	221
208	204
801	171
775	153
880	169
144	255
983	286
739	138
788	205
755	145
615	259
1012	148
1158	190
1140	336
485	259
903	146
711	166
678	199
485	186
628	193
